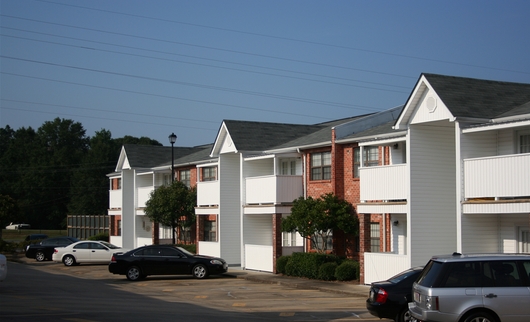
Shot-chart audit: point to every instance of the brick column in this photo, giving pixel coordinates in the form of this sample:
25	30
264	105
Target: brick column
276	239
364	241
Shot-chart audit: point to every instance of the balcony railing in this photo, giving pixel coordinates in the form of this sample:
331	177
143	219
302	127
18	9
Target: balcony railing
144	193
505	176
273	189
384	183
115	199
381	266
208	193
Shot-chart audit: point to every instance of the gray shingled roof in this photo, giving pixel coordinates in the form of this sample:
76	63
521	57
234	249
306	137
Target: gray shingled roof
149	156
478	98
322	135
376	130
259	136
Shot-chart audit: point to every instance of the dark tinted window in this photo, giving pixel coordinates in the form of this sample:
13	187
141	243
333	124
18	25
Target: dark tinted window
404	275
430	274
97	246
463	274
503	273
82	246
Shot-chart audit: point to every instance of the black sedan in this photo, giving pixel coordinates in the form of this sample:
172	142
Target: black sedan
389	299
44	250
164	260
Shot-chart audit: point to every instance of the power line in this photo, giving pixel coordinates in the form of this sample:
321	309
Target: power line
287	38
200	58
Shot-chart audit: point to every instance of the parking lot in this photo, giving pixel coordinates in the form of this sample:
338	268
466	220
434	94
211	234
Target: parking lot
233	293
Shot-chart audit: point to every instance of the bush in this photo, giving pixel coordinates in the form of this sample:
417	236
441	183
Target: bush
326	272
281	264
100	236
347	271
308	264
192	248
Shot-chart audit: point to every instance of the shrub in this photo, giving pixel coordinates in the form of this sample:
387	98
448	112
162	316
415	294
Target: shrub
281	264
100	236
308	264
347	271
326	272
192	248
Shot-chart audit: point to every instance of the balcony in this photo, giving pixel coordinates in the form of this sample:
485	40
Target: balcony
273	189
208	193
143	194
499	177
384	183
115	199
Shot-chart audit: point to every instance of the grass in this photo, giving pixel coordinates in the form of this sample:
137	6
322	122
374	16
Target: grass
19	235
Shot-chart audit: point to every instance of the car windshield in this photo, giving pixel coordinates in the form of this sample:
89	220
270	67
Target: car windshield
109	245
185	251
403	275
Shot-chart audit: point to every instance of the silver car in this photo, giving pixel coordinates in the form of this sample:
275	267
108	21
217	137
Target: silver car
473	288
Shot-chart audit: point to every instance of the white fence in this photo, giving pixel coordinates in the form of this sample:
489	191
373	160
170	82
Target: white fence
381	266
394	177
258	257
273	189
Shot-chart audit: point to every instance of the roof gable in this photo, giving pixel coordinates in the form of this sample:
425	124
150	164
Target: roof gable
462	98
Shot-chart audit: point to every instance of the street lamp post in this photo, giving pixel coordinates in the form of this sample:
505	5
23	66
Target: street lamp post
172	140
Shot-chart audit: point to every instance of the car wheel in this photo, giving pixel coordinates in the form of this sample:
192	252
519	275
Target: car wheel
480	317
68	260
134	274
39	256
403	316
200	271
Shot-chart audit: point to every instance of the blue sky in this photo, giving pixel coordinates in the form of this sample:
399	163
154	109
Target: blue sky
150	68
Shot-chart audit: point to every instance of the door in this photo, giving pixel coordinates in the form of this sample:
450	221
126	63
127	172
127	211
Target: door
508	296
99	253
81	252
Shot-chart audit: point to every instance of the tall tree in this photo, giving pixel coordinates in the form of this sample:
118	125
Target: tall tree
315	219
89	193
172	206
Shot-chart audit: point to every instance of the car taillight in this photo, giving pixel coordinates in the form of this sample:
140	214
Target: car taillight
55	250
113	259
431	303
381	296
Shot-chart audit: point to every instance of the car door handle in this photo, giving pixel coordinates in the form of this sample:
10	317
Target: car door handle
490	296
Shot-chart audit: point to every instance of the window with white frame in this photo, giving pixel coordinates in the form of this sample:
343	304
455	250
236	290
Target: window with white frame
356	161
289	238
167	179
324	241
370	156
524	240
321	166
288	167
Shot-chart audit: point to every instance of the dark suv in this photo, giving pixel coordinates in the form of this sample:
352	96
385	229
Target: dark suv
469	288
44	250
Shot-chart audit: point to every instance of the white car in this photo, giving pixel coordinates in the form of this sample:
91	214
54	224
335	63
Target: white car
12	226
94	252
3	267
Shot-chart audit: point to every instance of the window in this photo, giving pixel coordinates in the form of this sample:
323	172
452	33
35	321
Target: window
289	238
356	162
375	235
524	142
210	228
119	228
321	166
184	177
209	173
324	241
524	240
370	156
167	179
288	167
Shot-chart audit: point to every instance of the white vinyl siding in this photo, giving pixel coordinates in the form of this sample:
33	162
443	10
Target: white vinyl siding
230	208
258	230
432	197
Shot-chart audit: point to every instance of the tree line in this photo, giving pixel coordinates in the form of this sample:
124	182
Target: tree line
55	171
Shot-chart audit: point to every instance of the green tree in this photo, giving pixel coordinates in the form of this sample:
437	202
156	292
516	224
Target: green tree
89	193
172	206
314	219
8	210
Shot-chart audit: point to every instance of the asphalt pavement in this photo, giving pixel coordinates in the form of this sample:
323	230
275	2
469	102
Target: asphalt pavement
351	288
